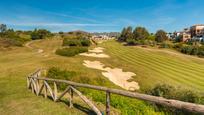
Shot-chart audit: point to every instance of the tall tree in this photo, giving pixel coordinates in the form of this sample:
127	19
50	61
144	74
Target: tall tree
122	35
161	36
3	28
140	33
128	34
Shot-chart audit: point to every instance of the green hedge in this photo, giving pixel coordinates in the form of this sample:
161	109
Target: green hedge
72	51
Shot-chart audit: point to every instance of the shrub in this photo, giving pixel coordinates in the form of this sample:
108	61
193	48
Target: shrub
178	46
201	51
193	50
131	42
162	90
166	45
40	34
171	92
72	51
71	42
85	42
76	41
6	42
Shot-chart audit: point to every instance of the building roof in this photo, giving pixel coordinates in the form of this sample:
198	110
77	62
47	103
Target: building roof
198	25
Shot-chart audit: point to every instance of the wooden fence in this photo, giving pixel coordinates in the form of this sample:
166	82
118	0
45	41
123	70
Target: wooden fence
37	84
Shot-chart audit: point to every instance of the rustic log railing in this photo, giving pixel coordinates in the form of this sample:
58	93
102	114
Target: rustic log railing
33	82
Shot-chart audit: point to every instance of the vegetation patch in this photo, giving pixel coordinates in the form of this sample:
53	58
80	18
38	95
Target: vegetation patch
127	106
171	92
76	44
72	51
76	41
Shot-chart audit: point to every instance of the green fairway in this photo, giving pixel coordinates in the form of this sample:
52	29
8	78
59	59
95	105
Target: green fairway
160	66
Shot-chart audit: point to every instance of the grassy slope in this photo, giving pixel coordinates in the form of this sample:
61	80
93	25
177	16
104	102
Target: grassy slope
161	66
17	63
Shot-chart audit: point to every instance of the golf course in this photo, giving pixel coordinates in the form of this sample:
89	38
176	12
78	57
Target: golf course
150	66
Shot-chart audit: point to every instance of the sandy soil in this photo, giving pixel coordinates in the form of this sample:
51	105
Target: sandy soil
116	75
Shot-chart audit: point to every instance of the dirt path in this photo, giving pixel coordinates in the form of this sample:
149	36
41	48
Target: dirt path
28	45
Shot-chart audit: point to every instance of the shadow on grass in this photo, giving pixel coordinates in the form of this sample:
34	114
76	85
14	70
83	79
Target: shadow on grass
77	106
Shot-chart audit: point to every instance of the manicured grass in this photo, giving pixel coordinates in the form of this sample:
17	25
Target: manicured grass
153	67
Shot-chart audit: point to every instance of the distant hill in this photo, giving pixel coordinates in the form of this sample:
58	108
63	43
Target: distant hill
115	34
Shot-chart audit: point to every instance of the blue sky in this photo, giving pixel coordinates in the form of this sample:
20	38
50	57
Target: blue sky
101	15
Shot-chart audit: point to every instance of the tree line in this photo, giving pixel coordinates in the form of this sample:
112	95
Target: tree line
140	35
9	36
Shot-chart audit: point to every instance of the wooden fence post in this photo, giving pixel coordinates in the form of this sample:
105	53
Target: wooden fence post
71	97
107	103
28	83
45	90
38	86
32	86
55	91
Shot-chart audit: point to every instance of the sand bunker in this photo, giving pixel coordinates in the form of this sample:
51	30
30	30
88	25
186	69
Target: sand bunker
95	55
96	52
120	78
40	51
94	64
116	75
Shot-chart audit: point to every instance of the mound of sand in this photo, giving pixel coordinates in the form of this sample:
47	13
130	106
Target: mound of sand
116	75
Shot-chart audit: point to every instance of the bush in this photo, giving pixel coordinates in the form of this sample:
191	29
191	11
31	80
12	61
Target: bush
71	42
166	45
6	42
170	92
131	42
178	46
72	51
193	50
40	34
85	42
76	41
201	51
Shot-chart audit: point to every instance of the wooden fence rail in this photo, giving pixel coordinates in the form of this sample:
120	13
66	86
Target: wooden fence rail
33	82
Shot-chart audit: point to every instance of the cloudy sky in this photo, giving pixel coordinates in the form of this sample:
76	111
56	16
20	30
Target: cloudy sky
101	15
